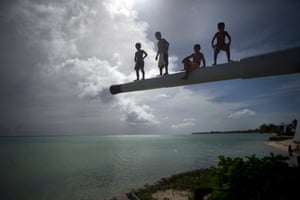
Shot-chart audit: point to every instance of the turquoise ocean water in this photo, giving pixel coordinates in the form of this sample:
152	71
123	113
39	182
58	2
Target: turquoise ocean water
100	167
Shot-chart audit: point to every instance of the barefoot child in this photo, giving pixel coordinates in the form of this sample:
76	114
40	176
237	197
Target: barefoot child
197	57
139	60
220	36
162	53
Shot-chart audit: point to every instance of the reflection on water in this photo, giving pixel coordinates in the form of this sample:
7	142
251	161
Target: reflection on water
99	167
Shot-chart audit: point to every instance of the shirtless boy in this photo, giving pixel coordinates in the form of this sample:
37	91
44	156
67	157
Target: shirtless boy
139	57
221	44
196	57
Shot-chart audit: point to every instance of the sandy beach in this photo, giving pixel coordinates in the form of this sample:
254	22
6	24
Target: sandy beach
283	145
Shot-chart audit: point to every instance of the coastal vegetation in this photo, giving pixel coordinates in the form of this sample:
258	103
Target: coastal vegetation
283	129
270	177
231	132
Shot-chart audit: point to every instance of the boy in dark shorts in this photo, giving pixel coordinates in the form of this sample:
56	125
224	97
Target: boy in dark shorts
196	57
220	36
139	60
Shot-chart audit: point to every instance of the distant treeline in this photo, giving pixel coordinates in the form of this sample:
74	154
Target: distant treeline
236	131
282	129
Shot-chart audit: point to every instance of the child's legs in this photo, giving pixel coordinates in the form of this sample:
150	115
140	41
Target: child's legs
139	66
226	48
166	60
143	72
160	70
137	74
136	68
228	54
187	64
161	63
166	66
187	72
216	52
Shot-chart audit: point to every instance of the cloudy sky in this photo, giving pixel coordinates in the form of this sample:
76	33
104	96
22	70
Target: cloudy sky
59	57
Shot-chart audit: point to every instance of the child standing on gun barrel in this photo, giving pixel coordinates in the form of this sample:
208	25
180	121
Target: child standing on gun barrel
221	44
162	53
139	57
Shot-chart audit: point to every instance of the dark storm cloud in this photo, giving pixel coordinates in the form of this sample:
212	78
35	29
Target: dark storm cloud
259	26
133	119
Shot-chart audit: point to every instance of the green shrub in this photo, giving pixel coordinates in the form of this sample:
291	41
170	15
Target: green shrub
253	178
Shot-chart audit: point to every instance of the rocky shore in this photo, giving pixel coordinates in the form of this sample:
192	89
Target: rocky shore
174	187
159	195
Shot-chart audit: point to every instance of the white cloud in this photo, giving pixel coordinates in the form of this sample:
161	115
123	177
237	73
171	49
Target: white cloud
90	78
186	122
82	47
242	114
136	114
88	46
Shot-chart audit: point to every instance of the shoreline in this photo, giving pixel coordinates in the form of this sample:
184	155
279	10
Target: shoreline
184	195
162	189
283	145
